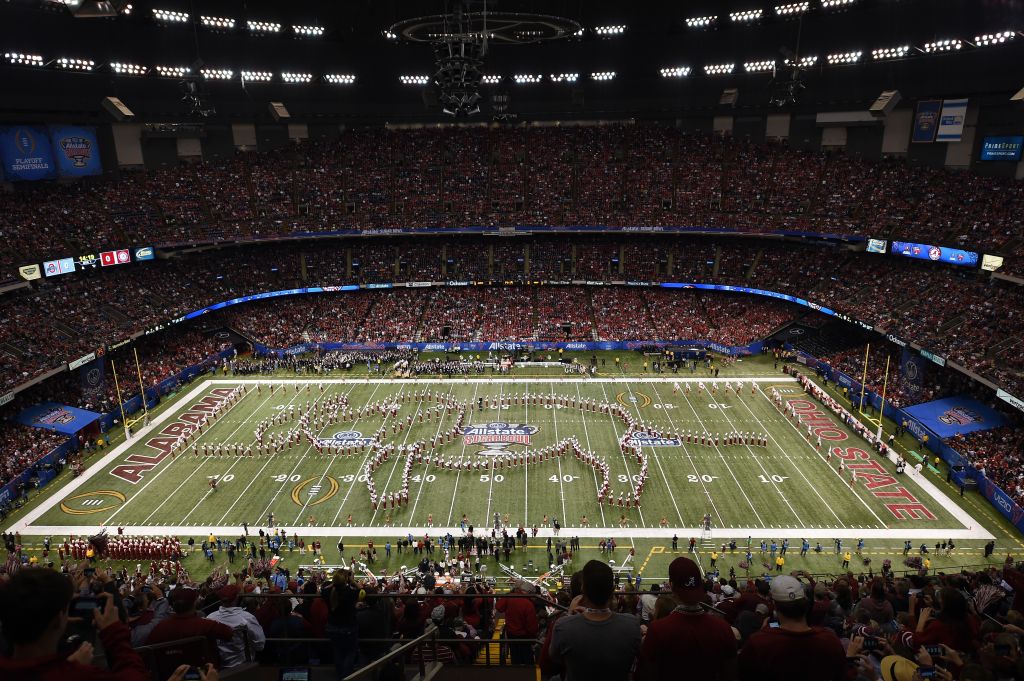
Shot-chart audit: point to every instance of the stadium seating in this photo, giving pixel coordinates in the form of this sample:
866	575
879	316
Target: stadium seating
640	175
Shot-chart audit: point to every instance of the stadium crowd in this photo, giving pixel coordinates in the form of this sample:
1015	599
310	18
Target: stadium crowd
632	176
863	625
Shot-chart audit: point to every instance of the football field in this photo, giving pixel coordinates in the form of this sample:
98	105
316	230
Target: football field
431	452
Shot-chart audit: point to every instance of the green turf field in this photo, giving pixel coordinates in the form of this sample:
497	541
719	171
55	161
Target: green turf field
745	489
784	490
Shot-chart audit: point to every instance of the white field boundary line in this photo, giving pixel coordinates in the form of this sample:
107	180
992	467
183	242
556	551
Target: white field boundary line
265	380
738	533
103	464
954	509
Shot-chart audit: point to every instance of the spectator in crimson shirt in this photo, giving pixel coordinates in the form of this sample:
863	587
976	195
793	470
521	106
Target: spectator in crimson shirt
34	615
794	651
520	624
186	623
689	642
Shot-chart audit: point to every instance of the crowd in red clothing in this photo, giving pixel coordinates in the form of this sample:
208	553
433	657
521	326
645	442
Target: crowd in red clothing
999	453
621	175
963	316
23	446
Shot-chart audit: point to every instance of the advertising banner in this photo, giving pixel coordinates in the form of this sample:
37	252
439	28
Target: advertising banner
950	256
1006	148
960	414
951	121
926	120
30	272
25	153
75	150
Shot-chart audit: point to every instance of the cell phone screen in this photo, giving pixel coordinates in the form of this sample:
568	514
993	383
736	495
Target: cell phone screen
295	674
934	650
773	625
192	675
926	672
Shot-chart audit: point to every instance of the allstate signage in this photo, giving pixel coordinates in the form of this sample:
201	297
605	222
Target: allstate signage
349	438
648	440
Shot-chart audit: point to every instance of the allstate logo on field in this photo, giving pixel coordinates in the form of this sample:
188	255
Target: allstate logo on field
497	436
350	438
648	440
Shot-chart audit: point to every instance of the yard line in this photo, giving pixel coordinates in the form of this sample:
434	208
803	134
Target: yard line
686	450
290	473
423	478
796	465
399	459
355	478
820	456
757	460
331	460
526	470
490	487
173	458
237	458
625	459
654	454
586	434
722	457
458	472
270	457
561	487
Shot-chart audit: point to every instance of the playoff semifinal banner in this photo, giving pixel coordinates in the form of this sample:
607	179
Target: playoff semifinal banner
34	153
25	153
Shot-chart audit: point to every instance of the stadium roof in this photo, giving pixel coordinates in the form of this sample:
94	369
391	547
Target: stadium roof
650	58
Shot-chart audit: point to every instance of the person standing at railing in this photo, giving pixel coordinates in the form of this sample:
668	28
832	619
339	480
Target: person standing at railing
520	623
341	597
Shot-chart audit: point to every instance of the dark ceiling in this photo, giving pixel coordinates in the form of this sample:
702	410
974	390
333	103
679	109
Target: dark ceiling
657	37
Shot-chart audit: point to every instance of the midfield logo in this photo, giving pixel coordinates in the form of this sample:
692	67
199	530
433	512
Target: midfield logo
497	436
349	438
648	440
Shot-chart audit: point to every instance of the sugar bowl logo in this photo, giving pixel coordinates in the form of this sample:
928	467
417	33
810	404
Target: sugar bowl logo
56	416
496	437
78	150
960	416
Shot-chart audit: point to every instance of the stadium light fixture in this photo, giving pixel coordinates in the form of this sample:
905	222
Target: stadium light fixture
845	57
834	4
675	72
890	52
172	71
69	64
761	66
263	26
701	22
217	74
308	31
170	17
91	9
259	76
805	62
792	9
414	80
989	39
125	69
527	78
564	77
617	29
718	69
22	59
943	45
602	75
222	23
390	36
490	79
340	78
290	77
746	16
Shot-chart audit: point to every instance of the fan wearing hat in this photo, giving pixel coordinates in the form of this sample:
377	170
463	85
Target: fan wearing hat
689	642
232	653
186	623
794	651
